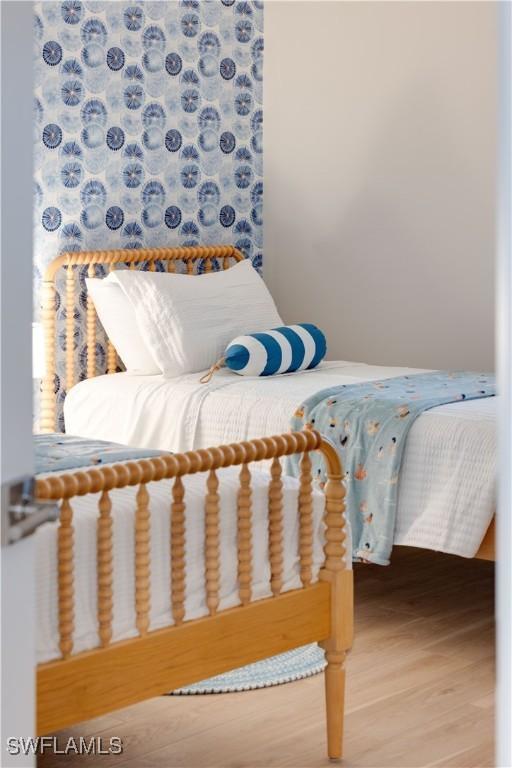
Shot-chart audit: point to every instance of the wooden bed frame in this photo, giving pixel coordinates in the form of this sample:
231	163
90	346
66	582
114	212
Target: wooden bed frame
191	259
487	549
88	684
221	256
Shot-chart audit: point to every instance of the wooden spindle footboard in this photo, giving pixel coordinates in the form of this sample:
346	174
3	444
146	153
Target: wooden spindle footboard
83	685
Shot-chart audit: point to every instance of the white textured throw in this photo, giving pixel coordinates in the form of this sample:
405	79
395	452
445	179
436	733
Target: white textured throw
447	484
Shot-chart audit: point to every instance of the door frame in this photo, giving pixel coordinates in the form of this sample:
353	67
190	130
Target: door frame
17	654
504	365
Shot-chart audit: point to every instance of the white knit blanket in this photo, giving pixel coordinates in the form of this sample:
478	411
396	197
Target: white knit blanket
447	483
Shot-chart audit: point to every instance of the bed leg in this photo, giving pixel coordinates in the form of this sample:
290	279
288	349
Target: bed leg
340	581
335	702
336	649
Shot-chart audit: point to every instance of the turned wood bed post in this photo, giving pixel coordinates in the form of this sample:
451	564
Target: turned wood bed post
70	327
275	527
65	570
212	542
339	577
111	351
244	530
105	557
90	325
49	320
306	520
142	559
178	542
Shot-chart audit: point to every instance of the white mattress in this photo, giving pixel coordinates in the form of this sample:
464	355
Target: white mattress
85	516
447	481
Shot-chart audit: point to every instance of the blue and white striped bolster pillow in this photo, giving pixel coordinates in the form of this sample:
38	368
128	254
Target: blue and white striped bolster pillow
281	350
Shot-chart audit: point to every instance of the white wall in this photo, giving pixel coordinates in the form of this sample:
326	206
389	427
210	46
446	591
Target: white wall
380	155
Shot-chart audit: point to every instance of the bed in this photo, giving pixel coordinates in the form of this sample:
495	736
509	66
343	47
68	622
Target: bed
447	481
166	570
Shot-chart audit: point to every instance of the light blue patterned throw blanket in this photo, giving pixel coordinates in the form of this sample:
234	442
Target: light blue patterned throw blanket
56	452
369	423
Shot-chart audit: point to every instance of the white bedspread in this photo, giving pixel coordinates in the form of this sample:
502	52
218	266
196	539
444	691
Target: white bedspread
447	482
85	516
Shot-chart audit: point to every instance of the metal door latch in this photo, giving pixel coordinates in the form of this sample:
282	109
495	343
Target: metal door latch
21	514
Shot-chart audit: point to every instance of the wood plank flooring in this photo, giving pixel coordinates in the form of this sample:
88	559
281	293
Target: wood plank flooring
419	690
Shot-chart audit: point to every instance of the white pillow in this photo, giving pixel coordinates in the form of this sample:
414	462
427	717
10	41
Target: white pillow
117	316
187	320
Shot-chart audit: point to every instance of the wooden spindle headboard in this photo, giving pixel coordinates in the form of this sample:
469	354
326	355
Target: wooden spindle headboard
194	258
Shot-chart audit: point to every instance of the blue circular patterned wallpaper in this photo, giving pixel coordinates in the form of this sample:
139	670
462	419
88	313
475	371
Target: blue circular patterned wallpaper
147	126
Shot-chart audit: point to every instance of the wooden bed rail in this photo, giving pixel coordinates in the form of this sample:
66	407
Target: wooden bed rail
170	465
193	257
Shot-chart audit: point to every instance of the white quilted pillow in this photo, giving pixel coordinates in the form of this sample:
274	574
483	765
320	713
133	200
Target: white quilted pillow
117	316
187	321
